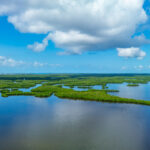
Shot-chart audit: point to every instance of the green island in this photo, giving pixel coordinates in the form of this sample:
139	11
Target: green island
10	85
135	84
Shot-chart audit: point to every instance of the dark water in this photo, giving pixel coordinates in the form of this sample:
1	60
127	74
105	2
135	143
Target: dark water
136	92
29	123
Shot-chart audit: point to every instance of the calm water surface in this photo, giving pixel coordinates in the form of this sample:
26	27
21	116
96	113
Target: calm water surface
141	92
29	89
76	88
136	92
29	123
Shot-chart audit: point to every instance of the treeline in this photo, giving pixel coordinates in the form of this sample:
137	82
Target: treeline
63	76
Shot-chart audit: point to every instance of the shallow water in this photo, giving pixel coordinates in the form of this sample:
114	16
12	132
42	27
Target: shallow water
29	123
76	88
136	92
29	89
141	92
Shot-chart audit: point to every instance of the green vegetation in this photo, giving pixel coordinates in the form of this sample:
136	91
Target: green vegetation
52	84
84	87
97	95
133	84
93	95
18	83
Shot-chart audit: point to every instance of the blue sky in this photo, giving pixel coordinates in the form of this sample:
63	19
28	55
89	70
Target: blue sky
35	42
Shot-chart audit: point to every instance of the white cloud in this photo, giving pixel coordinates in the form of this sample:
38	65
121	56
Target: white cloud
4	61
9	62
38	47
139	67
132	52
78	26
39	64
71	39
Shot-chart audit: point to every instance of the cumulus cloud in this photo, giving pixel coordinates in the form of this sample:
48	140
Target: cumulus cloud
78	26
38	47
73	40
132	52
4	61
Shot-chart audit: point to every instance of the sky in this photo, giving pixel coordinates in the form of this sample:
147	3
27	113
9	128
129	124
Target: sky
70	36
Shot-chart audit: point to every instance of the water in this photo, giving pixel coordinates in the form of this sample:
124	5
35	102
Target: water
28	123
136	92
141	92
97	87
29	89
76	88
